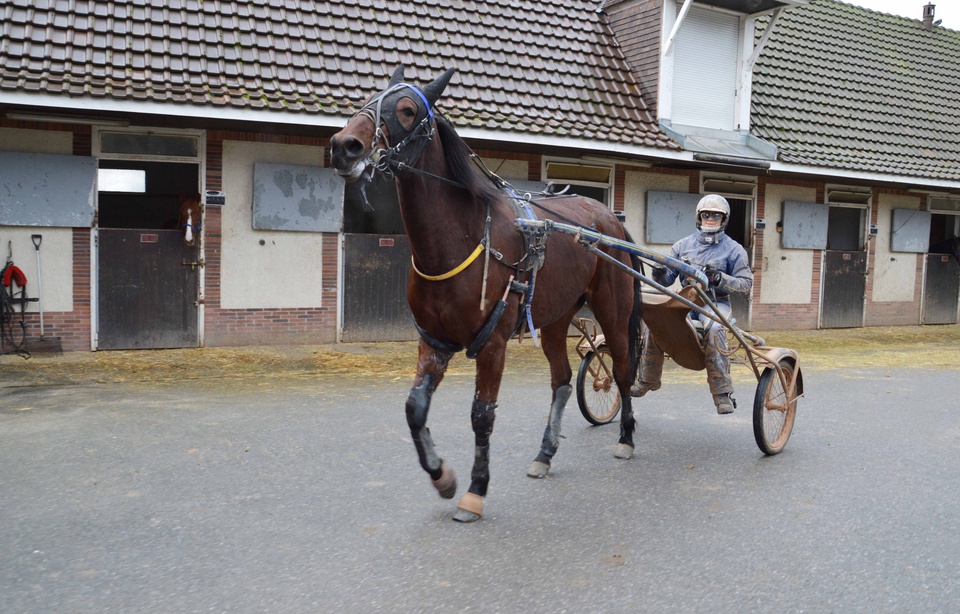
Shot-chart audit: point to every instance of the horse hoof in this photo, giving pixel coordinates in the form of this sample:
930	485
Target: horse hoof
470	508
624	452
538	470
447	484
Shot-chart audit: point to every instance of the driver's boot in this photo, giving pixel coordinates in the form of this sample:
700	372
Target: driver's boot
724	403
718	375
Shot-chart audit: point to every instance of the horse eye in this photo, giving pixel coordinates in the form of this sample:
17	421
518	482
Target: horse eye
410	113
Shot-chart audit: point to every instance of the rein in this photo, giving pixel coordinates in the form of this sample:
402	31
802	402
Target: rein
402	167
389	161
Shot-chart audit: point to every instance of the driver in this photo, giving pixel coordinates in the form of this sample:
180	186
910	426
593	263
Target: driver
724	261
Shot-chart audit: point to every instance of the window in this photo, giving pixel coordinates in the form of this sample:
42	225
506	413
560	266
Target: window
705	70
944	205
847	222
592	180
149	144
122	180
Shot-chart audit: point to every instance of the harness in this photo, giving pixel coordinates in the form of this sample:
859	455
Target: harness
13	275
393	159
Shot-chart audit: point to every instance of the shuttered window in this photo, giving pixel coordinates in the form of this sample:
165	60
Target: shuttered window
38	189
705	69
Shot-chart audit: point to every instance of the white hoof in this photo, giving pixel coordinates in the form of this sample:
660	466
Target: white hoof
538	470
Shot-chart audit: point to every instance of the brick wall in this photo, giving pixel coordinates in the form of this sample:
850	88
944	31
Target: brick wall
784	316
892	313
789	316
316	325
896	313
224	327
71	327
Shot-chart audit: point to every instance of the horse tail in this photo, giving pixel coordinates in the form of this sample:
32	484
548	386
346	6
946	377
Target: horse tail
636	323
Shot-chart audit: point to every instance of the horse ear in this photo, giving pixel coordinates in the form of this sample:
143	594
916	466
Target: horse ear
432	92
397	76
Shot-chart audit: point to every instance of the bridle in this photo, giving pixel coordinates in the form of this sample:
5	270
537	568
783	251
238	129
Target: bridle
410	146
391	159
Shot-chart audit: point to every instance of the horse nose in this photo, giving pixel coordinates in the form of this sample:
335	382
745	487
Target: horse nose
345	150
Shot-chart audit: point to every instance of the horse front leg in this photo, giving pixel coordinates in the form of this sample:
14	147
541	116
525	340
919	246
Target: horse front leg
490	363
554	340
431	365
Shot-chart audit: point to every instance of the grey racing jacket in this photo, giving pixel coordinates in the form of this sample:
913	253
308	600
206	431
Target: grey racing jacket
718	251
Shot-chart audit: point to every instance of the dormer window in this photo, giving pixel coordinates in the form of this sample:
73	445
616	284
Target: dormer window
695	65
706	55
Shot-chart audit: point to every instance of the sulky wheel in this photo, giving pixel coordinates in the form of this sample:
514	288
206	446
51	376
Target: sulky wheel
597	392
773	415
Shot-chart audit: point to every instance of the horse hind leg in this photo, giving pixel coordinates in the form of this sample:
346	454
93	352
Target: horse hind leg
621	326
554	340
430	369
540	466
623	376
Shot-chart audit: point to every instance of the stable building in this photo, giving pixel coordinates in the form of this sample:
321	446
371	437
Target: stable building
834	131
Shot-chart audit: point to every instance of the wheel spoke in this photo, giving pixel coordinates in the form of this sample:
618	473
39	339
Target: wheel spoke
597	393
774	410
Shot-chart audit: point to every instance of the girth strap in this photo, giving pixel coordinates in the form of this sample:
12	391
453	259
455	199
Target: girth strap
441	346
485	332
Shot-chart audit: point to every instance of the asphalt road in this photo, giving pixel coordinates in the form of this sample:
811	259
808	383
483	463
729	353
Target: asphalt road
307	497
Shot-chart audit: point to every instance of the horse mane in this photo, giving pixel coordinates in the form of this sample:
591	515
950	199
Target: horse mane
462	167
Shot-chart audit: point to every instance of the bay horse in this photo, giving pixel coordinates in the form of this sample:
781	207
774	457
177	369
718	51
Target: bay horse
189	217
453	212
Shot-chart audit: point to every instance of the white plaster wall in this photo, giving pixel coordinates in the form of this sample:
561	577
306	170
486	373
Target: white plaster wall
787	273
56	248
635	188
894	273
284	272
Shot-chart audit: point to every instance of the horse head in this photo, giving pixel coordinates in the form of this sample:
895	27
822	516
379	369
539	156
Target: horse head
190	217
396	122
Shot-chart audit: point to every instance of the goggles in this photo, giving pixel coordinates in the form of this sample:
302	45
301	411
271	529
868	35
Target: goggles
711	215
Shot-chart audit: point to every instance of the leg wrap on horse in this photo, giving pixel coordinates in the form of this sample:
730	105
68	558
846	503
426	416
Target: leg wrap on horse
551	435
482	417
418	404
627	426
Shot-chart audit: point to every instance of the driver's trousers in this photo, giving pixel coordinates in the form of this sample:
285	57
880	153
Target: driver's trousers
714	339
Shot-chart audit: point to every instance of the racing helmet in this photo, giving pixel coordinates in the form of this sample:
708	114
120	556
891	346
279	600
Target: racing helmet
714	202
